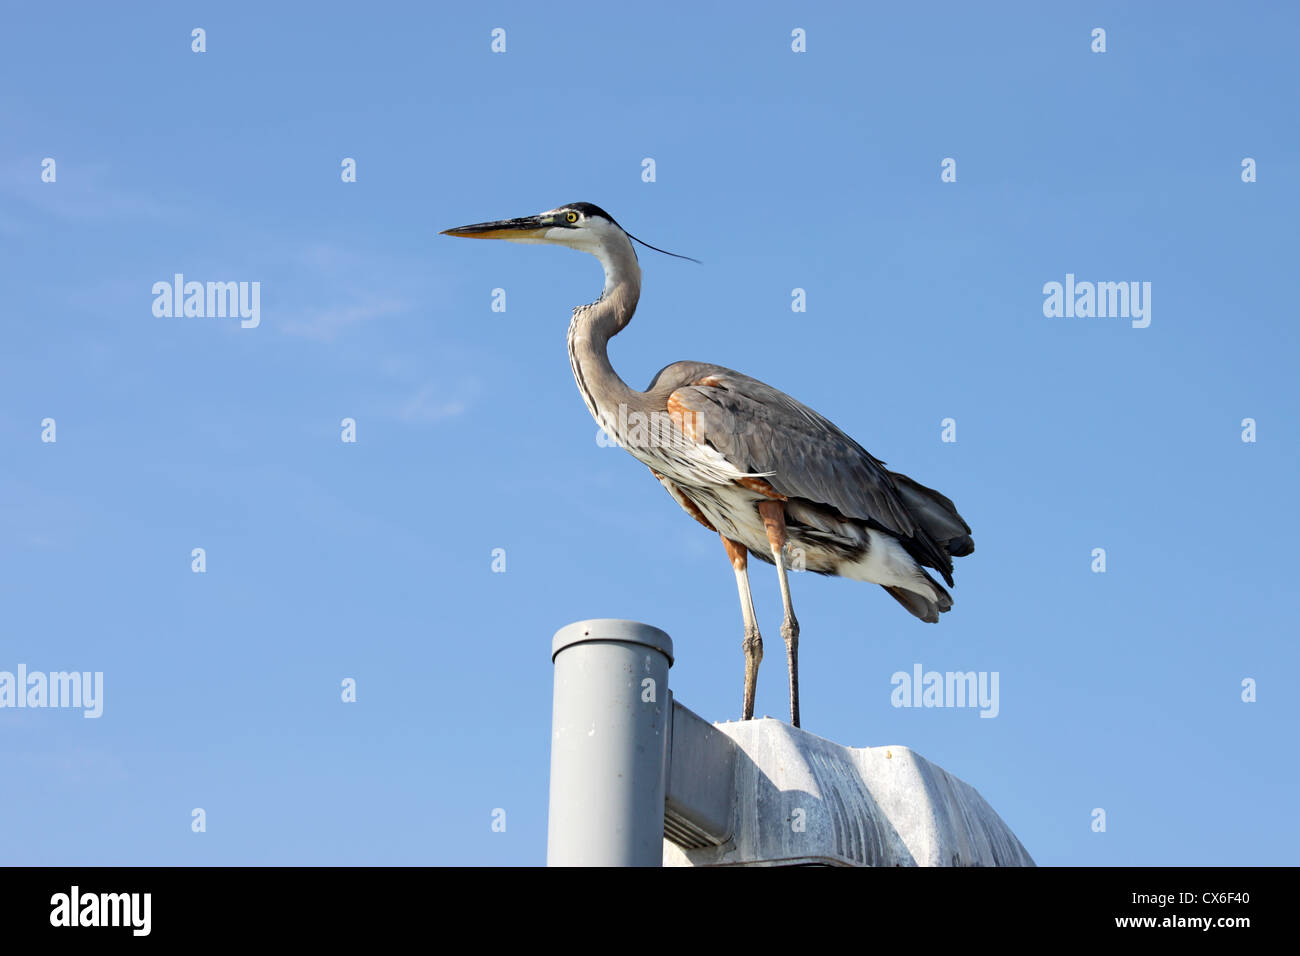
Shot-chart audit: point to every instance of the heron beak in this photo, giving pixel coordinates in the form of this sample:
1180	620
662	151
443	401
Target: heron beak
529	227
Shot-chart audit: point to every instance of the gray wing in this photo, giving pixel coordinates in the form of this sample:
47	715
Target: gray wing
803	455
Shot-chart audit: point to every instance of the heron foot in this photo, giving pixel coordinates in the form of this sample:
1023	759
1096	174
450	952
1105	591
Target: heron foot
753	647
790	631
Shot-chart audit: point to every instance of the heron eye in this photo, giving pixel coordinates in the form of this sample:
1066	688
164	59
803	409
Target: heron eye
571	216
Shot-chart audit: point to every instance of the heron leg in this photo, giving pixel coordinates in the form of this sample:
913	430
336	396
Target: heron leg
753	639
773	514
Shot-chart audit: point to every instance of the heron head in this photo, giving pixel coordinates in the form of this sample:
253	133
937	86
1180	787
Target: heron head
578	225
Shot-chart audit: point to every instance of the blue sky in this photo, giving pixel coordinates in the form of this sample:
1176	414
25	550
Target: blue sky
818	170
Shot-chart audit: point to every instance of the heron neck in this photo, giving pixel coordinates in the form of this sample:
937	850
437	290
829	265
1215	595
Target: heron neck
590	331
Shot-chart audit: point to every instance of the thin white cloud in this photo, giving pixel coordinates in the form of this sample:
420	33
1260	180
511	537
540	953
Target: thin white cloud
79	766
427	406
80	193
325	324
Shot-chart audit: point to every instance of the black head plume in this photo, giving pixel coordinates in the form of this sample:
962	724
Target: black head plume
589	209
657	249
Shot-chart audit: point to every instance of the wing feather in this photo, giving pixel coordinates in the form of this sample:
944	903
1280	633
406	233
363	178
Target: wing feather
761	430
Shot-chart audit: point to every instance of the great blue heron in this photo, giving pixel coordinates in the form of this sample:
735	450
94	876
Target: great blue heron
768	474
